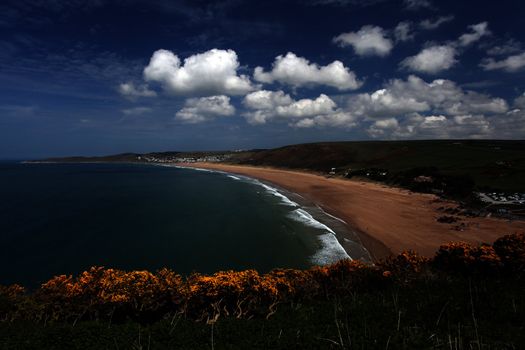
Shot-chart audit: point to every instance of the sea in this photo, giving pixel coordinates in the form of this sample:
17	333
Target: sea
63	218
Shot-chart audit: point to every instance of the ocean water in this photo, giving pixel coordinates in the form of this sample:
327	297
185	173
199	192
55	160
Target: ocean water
64	218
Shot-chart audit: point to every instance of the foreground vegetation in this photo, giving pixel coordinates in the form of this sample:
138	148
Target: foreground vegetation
464	298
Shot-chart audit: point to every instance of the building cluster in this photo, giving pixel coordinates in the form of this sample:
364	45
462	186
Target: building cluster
177	159
502	198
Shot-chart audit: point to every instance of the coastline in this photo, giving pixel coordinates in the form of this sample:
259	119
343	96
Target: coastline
387	220
339	239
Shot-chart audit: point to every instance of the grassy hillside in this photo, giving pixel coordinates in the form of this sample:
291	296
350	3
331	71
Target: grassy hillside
495	164
489	164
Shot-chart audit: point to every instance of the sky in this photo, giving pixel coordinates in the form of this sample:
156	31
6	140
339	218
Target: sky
109	76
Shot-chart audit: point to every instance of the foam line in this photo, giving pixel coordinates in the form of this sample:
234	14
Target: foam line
330	215
331	250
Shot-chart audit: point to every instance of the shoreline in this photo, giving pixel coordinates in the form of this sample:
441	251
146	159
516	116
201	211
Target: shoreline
387	220
347	240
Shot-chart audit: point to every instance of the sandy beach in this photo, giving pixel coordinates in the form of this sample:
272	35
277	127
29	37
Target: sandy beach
387	220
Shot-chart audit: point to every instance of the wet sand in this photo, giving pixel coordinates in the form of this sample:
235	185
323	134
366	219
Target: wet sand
386	219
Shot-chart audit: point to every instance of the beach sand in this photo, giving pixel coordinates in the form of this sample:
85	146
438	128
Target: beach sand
386	219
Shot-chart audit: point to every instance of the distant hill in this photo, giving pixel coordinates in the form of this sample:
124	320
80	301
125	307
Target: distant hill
489	163
123	157
483	164
131	157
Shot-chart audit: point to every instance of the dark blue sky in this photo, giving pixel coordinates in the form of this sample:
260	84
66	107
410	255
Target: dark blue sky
76	76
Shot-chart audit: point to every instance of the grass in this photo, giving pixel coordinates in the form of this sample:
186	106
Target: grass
436	313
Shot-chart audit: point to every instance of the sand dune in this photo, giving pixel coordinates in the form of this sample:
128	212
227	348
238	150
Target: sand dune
387	220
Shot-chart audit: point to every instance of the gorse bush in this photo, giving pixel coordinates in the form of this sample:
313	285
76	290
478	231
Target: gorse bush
116	295
511	250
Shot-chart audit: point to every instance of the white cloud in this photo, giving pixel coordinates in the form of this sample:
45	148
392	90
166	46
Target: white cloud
403	31
519	102
431	60
209	73
400	97
414	108
437	58
264	99
268	106
298	71
430	24
307	107
380	127
415	5
136	110
198	110
337	119
510	64
509	47
432	126
411	108
476	32
368	41
510	125
387	102
129	90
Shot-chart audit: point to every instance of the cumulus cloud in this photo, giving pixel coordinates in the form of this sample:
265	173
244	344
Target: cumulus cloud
267	100
431	126
430	24
431	60
510	64
510	125
265	106
210	73
307	107
131	91
411	108
400	97
519	102
477	31
403	31
368	41
414	108
198	110
437	58
340	119
298	71
380	127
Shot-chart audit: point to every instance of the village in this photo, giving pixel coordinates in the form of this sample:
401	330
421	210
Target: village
502	198
186	159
